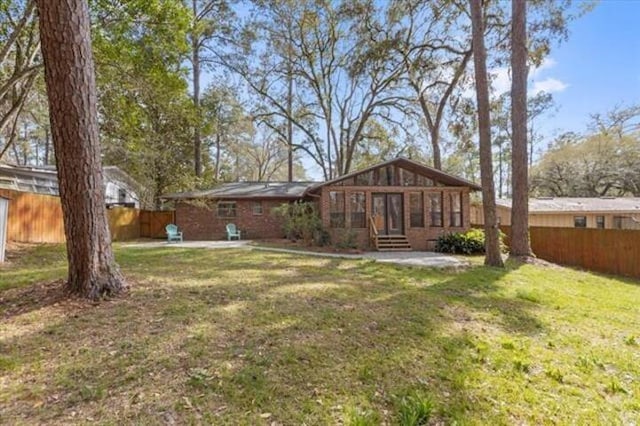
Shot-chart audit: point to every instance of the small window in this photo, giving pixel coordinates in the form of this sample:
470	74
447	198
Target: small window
336	209
227	209
358	217
455	203
435	208
580	221
256	208
600	222
122	195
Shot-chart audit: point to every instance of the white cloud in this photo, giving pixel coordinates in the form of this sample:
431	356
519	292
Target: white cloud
549	85
547	63
501	79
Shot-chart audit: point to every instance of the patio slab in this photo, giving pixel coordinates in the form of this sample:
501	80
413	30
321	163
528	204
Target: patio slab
192	244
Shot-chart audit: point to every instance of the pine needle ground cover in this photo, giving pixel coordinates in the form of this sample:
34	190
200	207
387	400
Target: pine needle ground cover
252	337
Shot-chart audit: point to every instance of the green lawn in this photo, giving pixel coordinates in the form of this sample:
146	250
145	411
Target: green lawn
243	337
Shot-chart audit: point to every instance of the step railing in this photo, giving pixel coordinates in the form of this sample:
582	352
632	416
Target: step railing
373	232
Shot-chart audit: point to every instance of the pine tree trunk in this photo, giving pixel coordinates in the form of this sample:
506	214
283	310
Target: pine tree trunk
70	80
520	246
435	147
493	256
195	59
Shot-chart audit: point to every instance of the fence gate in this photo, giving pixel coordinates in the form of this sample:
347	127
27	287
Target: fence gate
152	223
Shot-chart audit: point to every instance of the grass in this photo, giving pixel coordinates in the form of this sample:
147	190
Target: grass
252	337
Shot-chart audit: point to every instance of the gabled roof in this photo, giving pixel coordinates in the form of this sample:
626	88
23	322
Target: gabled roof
240	190
579	204
414	166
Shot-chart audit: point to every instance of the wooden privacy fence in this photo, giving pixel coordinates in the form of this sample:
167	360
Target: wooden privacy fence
612	251
152	223
37	218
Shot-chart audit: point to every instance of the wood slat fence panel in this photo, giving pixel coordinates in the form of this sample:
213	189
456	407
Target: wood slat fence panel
34	218
152	223
37	218
612	251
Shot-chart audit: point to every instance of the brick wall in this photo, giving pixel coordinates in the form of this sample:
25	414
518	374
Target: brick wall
202	223
420	238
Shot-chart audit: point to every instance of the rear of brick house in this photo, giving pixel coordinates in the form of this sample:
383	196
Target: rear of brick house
399	204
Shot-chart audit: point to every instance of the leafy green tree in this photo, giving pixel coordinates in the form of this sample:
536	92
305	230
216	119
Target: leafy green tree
595	166
146	116
211	23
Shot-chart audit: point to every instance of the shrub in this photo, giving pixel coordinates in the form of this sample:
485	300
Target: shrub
469	242
301	221
348	240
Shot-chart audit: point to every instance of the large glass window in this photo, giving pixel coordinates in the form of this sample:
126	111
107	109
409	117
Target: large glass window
416	210
227	209
408	178
358	217
336	209
423	181
364	179
435	208
455	203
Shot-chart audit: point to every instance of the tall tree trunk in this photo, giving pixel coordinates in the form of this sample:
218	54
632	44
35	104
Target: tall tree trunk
520	246
493	256
217	171
195	58
289	123
435	147
70	80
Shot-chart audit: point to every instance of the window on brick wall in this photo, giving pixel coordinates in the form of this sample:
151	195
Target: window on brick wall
358	216
416	213
227	209
256	208
455	208
435	208
336	209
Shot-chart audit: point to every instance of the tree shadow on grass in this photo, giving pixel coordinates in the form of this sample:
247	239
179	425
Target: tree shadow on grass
214	337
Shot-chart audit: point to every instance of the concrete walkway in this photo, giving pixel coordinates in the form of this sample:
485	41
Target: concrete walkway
426	259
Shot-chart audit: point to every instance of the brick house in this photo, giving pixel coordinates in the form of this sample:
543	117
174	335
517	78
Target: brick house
398	204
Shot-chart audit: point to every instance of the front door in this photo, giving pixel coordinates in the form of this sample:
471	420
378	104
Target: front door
387	213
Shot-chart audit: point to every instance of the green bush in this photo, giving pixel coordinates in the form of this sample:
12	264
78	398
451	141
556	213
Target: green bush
301	221
349	240
470	242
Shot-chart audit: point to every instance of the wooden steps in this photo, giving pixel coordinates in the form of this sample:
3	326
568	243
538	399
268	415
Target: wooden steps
392	243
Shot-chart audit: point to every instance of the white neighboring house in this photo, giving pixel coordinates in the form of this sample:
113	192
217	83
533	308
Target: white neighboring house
120	188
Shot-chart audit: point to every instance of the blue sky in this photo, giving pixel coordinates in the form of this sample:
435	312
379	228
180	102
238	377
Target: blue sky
597	68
